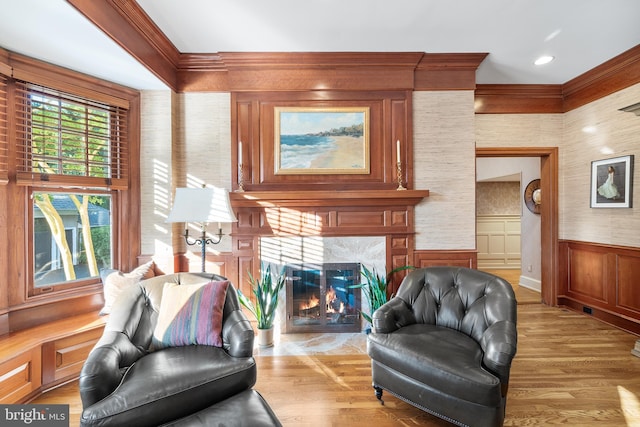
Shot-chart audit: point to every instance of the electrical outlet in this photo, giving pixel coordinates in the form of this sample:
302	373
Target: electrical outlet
530	268
587	309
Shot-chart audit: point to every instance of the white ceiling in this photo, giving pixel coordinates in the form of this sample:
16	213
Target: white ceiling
581	34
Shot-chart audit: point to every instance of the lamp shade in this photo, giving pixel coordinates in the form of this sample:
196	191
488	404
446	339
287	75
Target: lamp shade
201	205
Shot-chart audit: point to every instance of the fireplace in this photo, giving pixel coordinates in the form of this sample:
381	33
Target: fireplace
289	226
321	297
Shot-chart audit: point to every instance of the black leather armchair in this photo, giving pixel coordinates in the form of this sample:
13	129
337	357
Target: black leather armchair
125	383
445	344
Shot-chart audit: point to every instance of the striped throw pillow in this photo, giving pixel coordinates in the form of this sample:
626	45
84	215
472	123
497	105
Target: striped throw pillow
190	315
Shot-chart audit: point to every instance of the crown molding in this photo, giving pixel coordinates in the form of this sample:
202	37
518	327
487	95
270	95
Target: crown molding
518	99
611	76
127	23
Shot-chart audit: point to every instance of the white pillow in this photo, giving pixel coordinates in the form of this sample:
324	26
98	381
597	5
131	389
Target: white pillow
115	281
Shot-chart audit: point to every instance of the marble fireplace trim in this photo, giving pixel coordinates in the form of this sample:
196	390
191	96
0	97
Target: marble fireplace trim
279	251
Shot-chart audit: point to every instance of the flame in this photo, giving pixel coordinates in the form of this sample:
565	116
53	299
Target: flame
331	300
314	301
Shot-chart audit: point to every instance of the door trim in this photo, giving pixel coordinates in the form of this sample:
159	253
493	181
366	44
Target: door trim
548	211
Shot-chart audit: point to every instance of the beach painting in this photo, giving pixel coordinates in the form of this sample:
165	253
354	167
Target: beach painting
314	140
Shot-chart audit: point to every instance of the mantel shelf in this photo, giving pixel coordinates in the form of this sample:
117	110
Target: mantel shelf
328	198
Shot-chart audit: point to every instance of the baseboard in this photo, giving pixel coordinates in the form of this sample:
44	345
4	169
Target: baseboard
529	283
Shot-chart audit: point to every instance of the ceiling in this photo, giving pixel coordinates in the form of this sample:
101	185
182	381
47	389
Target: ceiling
580	34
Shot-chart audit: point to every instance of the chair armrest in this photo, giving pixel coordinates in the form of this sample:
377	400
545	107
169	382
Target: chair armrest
499	343
391	316
237	334
105	366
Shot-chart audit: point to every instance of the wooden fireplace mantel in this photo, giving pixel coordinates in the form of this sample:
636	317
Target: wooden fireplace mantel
388	213
352	198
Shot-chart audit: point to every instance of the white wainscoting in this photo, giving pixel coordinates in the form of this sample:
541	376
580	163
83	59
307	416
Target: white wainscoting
498	241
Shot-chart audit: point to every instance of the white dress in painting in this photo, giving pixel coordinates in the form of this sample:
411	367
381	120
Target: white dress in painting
609	189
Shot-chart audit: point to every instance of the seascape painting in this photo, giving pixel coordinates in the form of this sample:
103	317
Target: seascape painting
321	140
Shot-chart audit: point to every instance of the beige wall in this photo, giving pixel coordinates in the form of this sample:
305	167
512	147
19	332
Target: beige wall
155	173
446	133
594	132
444	164
198	127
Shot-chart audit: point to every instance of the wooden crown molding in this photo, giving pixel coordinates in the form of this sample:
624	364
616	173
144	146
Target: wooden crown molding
518	99
611	76
451	61
273	71
314	60
127	23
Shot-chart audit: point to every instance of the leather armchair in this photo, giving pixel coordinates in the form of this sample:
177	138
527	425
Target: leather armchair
445	344
124	382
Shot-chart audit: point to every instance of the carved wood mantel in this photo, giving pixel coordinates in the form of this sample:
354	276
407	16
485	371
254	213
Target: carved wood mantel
388	213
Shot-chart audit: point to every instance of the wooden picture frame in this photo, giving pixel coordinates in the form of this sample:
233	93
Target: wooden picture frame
321	140
612	182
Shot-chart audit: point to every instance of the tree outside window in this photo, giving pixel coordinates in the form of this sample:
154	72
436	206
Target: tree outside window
72	236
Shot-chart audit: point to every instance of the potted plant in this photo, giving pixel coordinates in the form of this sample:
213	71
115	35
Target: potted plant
375	288
266	289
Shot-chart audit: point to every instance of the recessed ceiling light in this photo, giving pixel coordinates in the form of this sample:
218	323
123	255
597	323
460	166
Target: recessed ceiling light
544	60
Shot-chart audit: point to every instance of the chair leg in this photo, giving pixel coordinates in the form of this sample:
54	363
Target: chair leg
378	391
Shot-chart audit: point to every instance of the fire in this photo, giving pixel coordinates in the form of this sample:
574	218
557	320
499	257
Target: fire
332	303
313	302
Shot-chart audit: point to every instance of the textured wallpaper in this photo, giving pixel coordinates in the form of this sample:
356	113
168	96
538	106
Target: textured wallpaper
444	163
593	132
498	198
185	141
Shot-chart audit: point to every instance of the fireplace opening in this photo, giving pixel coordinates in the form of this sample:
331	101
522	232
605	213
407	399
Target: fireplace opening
321	297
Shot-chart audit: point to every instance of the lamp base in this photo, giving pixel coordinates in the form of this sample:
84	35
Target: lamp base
203	241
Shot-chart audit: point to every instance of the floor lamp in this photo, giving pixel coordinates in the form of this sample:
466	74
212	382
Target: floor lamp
203	206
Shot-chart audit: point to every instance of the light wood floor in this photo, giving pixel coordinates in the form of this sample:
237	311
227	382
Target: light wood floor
570	369
523	295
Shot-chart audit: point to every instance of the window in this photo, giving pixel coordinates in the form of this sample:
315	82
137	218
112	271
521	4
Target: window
71	236
72	154
66	140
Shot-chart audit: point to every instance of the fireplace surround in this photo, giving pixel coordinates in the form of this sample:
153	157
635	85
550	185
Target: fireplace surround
322	297
295	228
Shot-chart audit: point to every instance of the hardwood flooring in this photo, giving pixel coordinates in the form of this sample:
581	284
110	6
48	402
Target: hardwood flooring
523	295
570	369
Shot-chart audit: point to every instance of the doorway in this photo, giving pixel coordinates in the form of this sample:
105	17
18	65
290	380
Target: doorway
548	211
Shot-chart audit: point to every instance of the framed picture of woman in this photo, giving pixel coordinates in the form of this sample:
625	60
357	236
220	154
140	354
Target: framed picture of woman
611	182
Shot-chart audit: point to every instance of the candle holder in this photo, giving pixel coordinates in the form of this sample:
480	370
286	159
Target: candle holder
399	168
240	180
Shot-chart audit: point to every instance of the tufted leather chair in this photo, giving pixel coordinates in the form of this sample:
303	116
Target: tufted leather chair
124	382
445	344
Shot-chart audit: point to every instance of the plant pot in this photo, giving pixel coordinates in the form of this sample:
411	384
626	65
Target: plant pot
265	337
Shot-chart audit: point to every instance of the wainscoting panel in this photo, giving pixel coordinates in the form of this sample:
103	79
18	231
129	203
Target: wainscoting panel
601	280
430	258
628	273
588	274
498	241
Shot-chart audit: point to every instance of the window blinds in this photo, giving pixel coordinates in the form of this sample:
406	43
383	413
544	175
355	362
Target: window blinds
64	140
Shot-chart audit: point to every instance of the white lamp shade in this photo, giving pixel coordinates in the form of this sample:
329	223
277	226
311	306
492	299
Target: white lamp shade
202	205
